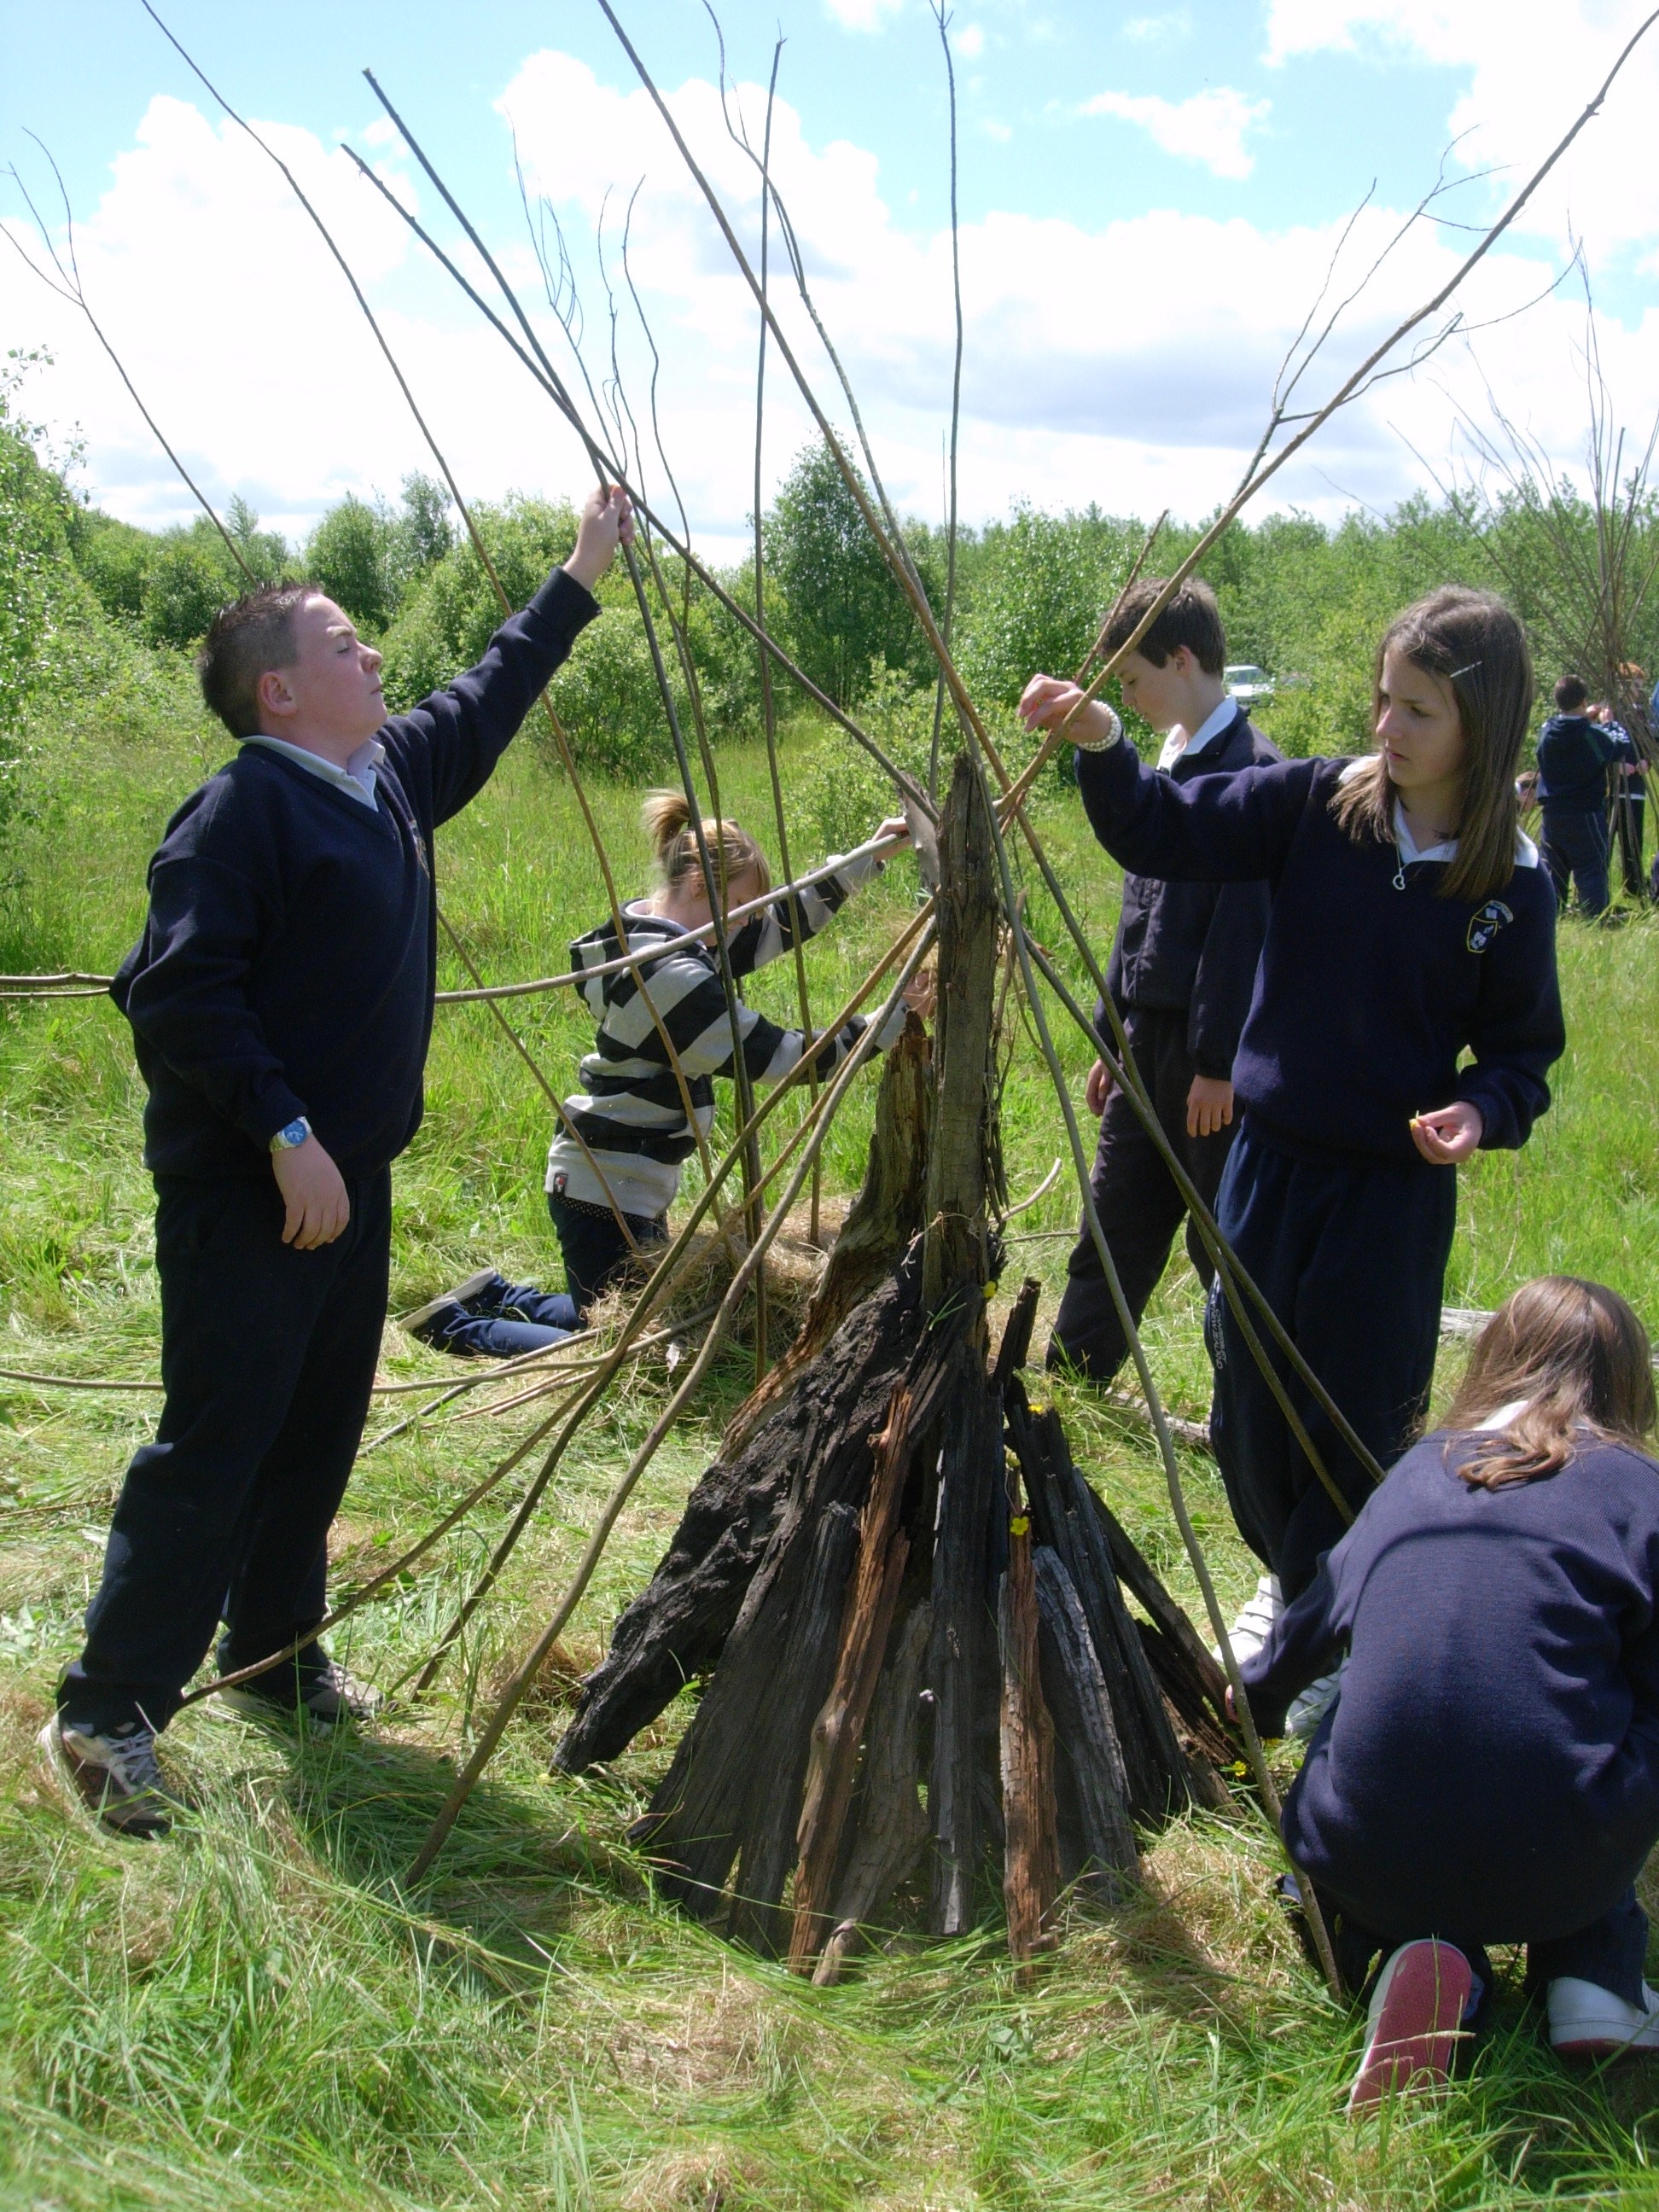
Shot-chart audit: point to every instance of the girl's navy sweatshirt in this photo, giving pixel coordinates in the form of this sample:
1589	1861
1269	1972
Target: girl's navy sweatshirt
1492	1765
1365	995
288	964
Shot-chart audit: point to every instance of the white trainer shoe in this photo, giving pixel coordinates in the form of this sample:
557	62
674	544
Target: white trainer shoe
1308	1710
1587	2021
1255	1624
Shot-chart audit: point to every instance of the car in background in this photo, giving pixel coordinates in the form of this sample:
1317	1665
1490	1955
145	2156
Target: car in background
1250	686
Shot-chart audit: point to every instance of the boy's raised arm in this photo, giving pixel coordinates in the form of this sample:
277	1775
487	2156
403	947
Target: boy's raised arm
455	736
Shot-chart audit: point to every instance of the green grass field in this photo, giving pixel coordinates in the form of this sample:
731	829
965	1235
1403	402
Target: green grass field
258	2013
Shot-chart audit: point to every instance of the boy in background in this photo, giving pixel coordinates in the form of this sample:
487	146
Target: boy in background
1181	972
281	1004
1574	755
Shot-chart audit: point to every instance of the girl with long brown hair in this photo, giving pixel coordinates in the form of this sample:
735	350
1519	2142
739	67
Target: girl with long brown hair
1490	1772
1411	926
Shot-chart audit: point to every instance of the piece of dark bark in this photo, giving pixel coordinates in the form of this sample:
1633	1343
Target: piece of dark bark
1063	1505
1030	1867
965	1151
832	1761
674	1631
892	1821
778	1735
1015	1345
962	1673
1188	1664
1107	1858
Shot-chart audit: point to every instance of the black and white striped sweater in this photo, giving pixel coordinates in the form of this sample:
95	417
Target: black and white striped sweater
631	1111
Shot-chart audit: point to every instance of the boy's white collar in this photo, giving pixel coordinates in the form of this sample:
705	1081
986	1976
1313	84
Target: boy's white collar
1217	719
1525	853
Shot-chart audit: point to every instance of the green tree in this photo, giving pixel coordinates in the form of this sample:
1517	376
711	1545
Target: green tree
421	534
845	611
1039	585
348	555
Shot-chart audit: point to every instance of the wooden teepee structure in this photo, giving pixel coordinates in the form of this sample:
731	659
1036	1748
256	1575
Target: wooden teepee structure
894	1582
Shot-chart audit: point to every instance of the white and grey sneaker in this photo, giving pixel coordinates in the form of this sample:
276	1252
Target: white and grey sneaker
1257	1616
116	1778
448	1302
327	1695
1587	2021
1308	1710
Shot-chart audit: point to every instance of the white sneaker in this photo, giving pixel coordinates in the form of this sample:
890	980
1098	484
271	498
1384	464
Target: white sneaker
1413	2023
1308	1710
1256	1621
1587	2021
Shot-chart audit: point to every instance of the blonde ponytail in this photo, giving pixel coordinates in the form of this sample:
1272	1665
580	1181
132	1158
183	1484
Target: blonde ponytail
668	823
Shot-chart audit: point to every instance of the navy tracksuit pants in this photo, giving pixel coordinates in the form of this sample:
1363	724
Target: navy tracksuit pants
1135	1195
1576	849
1351	1254
268	1355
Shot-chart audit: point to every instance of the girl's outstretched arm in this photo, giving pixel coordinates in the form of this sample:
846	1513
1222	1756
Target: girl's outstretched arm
767	937
1215	828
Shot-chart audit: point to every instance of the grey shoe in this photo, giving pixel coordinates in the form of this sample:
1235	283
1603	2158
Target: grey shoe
1308	1710
116	1778
447	1301
328	1695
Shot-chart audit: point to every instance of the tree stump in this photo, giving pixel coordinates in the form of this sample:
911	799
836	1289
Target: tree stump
894	1582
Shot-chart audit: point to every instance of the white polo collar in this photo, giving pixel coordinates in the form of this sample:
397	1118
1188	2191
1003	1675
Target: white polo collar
1525	853
356	778
1219	718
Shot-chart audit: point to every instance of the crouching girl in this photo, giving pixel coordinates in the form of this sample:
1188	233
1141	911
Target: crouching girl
1490	1773
648	1084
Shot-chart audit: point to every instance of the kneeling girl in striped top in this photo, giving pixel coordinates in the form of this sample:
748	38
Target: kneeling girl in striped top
614	1165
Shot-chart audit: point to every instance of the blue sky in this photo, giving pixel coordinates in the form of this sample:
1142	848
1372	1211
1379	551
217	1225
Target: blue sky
1150	195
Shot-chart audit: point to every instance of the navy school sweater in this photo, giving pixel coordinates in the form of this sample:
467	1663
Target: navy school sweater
288	960
1365	996
1574	755
1193	947
1492	1765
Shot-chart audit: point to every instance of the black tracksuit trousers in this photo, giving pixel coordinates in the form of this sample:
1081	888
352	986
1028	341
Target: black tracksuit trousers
1140	1208
268	1355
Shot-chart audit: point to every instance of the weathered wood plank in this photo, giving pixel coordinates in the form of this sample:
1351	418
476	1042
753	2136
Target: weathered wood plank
892	1821
883	1552
1030	1866
1108	1858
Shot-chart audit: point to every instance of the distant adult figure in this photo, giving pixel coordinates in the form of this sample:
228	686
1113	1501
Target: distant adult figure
1628	806
1574	754
1182	973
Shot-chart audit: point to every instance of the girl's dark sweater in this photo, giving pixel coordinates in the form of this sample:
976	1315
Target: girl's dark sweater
288	963
1492	1766
1365	996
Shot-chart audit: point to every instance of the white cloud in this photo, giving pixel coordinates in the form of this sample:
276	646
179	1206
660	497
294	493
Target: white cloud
969	41
1531	66
1152	30
1209	127
241	335
862	15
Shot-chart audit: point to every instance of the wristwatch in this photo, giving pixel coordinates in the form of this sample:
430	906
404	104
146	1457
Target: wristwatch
290	1139
1102	744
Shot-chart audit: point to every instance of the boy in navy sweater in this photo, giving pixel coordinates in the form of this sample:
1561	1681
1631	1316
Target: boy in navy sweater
1575	752
1490	1773
281	1004
1181	970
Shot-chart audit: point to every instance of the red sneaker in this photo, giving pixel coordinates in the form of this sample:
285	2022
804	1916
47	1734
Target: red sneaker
1416	2012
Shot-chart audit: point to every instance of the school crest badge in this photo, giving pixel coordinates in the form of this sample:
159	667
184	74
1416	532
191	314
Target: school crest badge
1486	925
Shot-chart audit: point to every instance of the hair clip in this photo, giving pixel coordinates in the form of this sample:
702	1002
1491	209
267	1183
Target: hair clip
1469	670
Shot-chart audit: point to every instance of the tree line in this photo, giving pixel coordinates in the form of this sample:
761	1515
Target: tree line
1305	600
